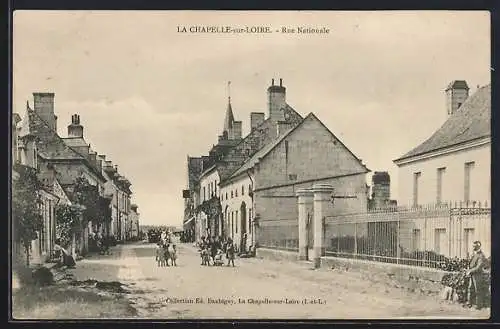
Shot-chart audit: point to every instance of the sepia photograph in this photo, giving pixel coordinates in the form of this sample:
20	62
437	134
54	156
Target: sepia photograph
269	165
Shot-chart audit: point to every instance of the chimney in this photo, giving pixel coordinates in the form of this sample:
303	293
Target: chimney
237	129
276	101
456	94
44	107
75	129
93	158
256	119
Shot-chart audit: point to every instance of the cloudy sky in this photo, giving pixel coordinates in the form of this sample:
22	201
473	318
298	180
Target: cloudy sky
148	96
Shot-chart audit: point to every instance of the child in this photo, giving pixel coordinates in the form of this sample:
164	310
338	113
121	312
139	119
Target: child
230	252
205	256
218	258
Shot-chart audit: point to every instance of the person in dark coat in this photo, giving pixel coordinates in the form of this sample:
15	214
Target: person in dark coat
230	252
477	284
66	258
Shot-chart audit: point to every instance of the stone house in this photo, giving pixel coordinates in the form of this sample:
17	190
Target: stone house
258	176
454	163
40	145
134	222
453	167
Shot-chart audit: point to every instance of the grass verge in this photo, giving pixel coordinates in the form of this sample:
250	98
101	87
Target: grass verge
62	301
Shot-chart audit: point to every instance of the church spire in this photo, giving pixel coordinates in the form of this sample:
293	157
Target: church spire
229	119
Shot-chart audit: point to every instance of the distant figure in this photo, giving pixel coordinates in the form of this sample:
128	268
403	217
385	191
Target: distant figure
218	261
66	259
172	254
230	252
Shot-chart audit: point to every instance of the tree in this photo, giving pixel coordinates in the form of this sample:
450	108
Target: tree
26	213
87	195
67	222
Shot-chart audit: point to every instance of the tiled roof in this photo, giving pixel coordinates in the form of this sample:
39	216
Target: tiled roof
258	138
51	146
194	170
269	147
469	122
75	142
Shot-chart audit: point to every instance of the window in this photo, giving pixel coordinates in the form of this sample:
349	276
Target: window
226	195
236	193
215	188
468	239
250	220
236	220
416	238
439	240
243	190
439	189
231	194
232	223
416	178
204	197
469	166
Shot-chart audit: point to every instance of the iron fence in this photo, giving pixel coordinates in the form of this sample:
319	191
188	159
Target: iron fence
431	236
280	234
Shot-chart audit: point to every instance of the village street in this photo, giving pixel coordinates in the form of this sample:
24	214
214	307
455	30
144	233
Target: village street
171	292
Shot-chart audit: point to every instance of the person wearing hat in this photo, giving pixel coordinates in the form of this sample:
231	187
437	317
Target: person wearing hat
476	277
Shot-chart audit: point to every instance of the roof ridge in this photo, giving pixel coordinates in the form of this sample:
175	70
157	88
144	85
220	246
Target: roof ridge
82	157
465	124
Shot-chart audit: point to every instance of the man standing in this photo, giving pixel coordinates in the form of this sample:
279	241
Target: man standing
476	277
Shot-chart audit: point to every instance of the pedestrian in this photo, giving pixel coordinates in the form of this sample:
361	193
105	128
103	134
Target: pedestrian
66	259
476	288
230	252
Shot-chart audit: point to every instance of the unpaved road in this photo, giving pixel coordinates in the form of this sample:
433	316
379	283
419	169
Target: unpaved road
257	289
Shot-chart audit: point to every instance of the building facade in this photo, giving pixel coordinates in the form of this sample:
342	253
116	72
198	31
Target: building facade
258	175
453	165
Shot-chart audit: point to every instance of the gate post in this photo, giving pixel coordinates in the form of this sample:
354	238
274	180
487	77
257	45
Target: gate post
322	196
305	199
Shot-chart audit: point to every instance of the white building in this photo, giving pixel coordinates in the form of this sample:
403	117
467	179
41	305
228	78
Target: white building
453	165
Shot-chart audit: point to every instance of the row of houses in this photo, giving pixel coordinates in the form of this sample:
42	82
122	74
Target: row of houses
59	164
246	187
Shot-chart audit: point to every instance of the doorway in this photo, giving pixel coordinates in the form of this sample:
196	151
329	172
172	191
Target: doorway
243	235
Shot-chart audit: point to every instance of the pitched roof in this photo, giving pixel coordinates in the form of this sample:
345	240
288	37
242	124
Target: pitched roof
257	139
51	146
269	147
75	142
469	122
194	170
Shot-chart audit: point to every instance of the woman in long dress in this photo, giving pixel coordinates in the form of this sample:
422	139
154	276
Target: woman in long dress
66	258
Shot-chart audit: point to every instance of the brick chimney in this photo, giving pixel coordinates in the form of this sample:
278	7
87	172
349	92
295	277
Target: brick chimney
276	101
256	119
44	107
75	129
456	94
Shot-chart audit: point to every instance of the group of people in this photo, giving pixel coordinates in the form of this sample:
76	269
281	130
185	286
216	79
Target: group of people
166	250
213	250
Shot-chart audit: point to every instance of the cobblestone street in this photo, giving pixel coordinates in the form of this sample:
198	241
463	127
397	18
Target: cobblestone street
227	292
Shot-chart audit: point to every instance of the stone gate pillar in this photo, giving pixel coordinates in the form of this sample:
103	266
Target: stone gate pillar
322	198
305	199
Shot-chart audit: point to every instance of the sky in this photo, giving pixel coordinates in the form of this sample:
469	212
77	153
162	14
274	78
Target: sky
148	96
